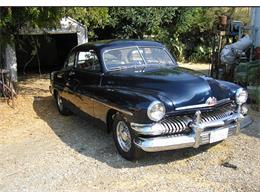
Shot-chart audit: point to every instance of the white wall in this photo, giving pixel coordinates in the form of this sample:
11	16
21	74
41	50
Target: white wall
71	24
255	21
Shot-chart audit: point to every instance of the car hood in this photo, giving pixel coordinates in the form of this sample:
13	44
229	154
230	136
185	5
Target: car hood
181	86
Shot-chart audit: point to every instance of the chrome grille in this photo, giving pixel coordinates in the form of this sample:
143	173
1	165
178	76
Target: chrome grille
217	114
176	124
180	124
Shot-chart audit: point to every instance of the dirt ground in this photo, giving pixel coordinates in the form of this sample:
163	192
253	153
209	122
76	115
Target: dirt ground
41	150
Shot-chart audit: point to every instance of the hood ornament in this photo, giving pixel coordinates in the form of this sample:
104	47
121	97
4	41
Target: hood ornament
211	101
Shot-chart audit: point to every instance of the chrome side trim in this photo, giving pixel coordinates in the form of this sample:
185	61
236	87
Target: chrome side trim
202	105
113	107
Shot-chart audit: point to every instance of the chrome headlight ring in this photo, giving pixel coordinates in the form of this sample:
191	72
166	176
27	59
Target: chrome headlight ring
156	111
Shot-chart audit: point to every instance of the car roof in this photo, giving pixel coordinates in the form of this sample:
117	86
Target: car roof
110	44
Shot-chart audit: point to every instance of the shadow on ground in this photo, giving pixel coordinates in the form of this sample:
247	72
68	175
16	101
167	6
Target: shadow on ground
89	137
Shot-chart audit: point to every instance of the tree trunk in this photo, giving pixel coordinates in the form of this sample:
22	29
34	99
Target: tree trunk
37	55
10	61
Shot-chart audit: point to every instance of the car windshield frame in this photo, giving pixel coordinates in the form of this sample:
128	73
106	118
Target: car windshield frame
145	64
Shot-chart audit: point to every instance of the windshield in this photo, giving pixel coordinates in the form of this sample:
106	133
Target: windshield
136	56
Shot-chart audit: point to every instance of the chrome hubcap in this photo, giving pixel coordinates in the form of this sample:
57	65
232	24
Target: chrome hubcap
123	136
59	102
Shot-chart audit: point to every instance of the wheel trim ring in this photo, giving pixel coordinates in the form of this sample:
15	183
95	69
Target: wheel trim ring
59	102
123	136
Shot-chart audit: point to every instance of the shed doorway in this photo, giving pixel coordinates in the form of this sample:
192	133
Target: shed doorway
43	53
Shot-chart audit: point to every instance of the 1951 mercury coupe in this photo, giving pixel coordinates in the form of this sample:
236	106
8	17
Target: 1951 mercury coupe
147	101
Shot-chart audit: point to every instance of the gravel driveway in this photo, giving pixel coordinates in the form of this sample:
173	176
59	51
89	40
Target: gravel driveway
41	150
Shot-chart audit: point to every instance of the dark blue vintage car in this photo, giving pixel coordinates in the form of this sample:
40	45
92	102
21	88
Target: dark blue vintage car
147	101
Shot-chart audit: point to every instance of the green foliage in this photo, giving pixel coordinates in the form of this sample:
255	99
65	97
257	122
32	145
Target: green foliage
254	77
248	73
147	22
13	18
186	31
137	22
92	18
200	54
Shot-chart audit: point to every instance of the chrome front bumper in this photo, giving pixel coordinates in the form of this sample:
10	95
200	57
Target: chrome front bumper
231	125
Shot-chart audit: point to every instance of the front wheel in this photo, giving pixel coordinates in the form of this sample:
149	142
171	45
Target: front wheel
60	105
123	137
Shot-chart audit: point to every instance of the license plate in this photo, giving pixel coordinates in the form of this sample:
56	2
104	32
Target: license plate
218	135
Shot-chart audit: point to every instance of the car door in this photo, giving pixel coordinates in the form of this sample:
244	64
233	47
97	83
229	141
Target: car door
62	76
85	79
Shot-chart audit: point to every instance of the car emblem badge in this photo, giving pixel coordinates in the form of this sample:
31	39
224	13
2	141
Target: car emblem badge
211	101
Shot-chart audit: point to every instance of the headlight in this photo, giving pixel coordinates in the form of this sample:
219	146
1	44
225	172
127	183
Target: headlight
241	96
156	111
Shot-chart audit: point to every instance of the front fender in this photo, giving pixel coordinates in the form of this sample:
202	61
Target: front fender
232	87
132	100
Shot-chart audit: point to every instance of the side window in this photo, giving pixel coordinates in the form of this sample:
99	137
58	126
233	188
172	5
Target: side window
70	61
88	60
